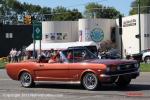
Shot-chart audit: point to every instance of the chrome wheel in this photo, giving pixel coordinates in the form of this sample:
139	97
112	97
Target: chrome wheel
26	79
90	81
147	60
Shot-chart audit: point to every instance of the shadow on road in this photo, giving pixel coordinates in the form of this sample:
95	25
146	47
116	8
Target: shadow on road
60	86
132	87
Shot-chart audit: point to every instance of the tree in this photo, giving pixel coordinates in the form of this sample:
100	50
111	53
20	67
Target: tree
63	14
76	15
144	7
15	5
47	12
100	11
38	13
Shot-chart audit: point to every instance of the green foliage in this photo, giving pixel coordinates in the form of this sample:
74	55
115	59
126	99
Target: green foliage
144	7
56	14
63	14
100	11
145	67
3	62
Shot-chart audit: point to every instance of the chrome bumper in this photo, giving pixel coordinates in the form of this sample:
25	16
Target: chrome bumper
106	76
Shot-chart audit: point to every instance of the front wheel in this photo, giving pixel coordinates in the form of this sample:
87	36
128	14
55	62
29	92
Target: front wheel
26	80
147	59
123	82
90	81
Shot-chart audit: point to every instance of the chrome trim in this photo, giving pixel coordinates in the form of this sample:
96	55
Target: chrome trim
117	79
58	82
104	75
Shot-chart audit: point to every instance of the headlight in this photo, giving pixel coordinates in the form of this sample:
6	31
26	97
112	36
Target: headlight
108	69
111	68
136	65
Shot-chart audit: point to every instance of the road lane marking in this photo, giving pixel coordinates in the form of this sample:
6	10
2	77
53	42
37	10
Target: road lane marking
135	94
5	79
15	95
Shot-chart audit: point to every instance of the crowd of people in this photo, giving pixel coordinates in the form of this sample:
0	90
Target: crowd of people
20	55
16	55
50	55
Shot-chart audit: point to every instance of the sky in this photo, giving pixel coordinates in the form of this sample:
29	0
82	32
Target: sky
121	5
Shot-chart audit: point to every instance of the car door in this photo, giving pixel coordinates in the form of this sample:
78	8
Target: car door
52	72
75	68
75	71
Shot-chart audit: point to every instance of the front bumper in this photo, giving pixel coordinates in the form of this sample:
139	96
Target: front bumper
104	78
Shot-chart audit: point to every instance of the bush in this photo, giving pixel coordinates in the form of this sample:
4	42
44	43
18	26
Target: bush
3	62
3	59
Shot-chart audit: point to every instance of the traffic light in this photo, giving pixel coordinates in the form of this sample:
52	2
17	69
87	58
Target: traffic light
27	19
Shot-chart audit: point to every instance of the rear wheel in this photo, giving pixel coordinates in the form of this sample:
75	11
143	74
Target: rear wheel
26	80
123	82
90	81
147	59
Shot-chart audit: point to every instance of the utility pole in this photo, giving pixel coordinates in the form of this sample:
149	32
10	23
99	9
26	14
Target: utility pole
1	11
120	32
139	12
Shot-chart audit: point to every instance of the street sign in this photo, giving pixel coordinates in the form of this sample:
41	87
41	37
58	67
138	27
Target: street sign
37	31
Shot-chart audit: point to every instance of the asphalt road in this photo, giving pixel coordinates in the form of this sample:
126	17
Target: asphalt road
12	90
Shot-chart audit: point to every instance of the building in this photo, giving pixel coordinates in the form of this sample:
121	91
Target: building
59	31
130	28
14	36
100	31
97	30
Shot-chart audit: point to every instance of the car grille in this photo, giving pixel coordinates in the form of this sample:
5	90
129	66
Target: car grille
125	68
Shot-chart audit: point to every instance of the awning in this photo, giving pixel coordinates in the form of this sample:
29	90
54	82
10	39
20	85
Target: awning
58	46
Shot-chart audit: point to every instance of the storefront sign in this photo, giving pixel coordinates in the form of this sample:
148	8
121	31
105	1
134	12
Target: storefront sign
128	23
97	35
57	36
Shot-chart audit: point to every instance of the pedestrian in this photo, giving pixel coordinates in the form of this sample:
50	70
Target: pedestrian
18	56
15	55
10	56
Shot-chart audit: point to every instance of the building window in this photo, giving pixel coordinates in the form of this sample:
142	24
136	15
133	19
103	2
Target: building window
146	35
9	35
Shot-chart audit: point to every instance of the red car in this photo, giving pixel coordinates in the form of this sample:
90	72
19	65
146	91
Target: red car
83	67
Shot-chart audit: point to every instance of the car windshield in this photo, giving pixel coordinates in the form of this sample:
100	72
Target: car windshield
78	55
143	51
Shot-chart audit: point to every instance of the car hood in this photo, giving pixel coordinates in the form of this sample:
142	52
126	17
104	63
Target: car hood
110	61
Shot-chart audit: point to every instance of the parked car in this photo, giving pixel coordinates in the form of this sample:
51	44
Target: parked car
142	56
111	54
82	67
146	57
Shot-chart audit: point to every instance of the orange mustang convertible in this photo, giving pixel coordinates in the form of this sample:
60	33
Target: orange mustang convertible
83	67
